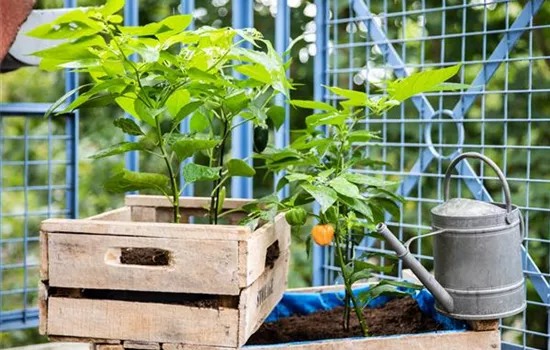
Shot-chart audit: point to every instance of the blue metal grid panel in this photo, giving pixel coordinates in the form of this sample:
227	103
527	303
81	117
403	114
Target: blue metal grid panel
36	182
504	114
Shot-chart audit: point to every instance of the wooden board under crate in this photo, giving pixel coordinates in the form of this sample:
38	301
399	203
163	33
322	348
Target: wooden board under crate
217	286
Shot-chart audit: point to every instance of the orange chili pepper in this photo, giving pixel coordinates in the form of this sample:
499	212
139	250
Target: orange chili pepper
323	234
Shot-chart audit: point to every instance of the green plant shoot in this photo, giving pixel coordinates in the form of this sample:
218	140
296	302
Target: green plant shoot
162	74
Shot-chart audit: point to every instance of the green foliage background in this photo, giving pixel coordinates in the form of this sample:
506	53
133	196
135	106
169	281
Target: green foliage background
96	131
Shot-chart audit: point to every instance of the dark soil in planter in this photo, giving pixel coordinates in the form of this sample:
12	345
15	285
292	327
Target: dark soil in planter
144	256
398	316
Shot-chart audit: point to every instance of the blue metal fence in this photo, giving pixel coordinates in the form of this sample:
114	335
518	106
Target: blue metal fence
501	45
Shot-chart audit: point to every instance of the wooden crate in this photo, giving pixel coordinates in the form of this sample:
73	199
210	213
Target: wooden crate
487	339
215	287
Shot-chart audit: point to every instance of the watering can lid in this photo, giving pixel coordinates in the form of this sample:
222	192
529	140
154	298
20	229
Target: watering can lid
467	207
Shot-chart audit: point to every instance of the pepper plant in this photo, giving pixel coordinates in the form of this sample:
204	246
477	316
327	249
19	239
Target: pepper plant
319	167
161	74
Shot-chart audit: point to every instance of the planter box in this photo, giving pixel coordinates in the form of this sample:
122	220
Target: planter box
326	297
191	283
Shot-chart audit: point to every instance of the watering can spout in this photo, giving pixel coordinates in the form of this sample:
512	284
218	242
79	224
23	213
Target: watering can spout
439	293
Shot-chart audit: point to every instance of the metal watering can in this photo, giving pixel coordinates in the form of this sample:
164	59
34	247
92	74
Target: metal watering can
477	254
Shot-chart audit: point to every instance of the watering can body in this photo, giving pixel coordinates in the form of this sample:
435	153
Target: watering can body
478	271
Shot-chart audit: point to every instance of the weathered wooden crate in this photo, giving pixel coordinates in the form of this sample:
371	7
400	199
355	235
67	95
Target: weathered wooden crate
211	285
486	338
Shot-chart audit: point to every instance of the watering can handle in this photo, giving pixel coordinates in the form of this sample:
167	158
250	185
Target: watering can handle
489	162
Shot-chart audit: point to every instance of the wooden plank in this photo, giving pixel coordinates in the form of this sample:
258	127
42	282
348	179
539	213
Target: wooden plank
65	339
141	345
92	261
108	347
43	256
253	252
258	300
144	214
442	340
43	308
120	214
145	229
185	202
150	322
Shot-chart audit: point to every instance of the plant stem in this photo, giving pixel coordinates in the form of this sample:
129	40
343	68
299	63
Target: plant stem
216	195
357	309
173	180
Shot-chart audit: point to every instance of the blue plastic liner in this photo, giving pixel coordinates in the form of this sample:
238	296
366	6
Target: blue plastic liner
307	303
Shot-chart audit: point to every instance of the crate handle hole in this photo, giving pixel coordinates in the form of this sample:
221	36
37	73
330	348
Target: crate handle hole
138	256
272	254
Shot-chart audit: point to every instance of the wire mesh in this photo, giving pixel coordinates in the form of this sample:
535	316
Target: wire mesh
504	55
34	186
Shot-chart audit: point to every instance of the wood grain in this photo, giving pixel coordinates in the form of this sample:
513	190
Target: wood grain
147	229
258	300
151	322
185	202
141	345
43	256
120	214
91	261
43	308
253	252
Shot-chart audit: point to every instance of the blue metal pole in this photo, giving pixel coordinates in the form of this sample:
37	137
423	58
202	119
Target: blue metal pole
282	36
131	18
188	6
241	139
71	129
320	65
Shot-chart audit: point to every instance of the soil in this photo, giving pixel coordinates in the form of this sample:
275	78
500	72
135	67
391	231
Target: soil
144	256
398	316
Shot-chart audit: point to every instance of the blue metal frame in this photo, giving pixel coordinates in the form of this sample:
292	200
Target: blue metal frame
241	138
131	18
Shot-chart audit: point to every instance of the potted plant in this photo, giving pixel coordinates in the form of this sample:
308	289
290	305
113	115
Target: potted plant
319	167
144	267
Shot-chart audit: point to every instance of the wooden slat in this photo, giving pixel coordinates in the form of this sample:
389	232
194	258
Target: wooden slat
43	256
108	347
258	300
120	214
185	202
196	266
65	339
141	345
43	308
146	229
253	252
150	322
144	214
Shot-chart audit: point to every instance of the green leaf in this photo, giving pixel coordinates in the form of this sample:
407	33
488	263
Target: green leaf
127	181
299	177
193	172
326	119
277	114
389	205
361	136
198	123
313	105
237	102
119	148
366	180
364	265
111	7
369	295
420	82
238	167
72	25
359	206
344	187
325	196
256	72
145	113
360	275
177	100
221	199
185	148
402	284
128	126
187	110
355	98
62	99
